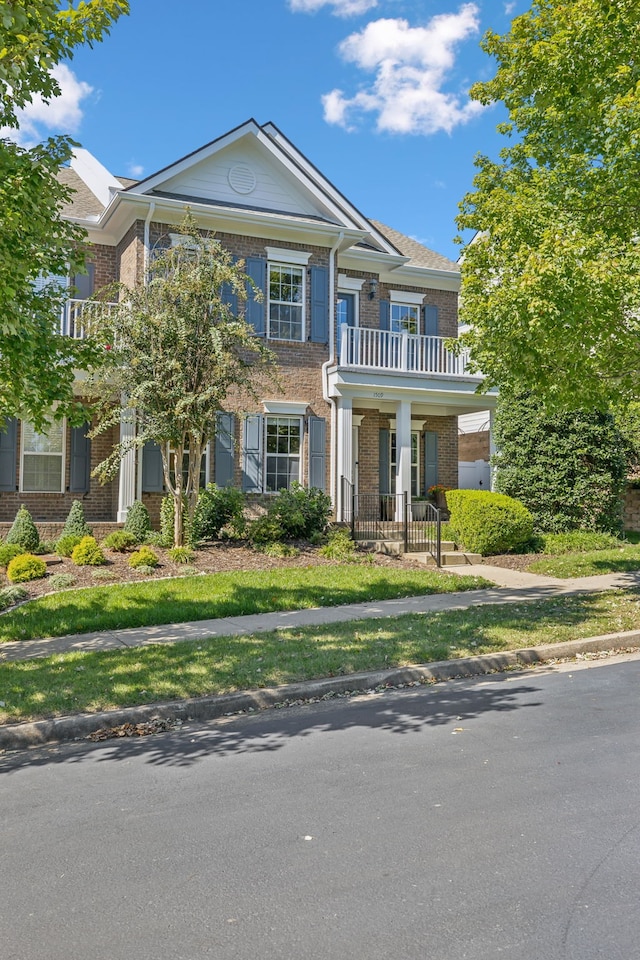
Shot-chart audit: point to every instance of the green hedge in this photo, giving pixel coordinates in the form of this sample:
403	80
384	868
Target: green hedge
489	522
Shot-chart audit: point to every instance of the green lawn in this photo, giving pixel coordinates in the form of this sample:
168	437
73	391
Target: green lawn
220	595
622	559
72	682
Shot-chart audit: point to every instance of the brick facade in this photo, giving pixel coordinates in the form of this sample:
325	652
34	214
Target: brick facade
474	446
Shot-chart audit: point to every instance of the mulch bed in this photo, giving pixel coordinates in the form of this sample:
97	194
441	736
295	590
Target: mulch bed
215	558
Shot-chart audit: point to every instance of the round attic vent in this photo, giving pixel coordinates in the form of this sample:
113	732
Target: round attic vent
242	179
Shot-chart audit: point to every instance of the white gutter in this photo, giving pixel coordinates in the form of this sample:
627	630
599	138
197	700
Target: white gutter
330	362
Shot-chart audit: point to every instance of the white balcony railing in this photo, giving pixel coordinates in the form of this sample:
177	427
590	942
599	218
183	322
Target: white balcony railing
401	352
77	315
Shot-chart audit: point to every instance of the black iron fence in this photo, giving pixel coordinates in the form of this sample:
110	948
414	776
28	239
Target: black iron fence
391	518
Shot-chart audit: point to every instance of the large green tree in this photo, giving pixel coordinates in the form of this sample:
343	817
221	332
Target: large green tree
174	349
551	280
36	363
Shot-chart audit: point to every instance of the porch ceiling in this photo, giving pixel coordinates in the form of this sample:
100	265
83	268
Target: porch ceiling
431	396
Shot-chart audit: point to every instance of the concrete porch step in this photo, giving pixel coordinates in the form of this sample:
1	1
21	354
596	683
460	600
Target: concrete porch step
393	548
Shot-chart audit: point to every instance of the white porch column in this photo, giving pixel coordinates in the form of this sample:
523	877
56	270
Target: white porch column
127	478
345	450
403	455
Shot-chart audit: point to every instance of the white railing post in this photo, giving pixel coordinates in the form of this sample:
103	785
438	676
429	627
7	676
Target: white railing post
344	344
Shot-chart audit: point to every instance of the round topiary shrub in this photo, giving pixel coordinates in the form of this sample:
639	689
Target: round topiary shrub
120	541
144	557
138	522
26	567
23	531
88	553
8	551
489	522
75	524
67	543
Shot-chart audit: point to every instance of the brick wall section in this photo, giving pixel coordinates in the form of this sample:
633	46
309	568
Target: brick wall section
100	503
105	260
631	509
130	255
474	446
51	531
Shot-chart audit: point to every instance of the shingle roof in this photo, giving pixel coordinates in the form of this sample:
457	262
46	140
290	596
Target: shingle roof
420	256
83	202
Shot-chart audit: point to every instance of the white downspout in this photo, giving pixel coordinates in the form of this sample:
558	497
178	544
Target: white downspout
328	363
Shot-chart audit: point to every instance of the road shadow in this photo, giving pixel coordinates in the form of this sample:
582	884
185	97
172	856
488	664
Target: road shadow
405	712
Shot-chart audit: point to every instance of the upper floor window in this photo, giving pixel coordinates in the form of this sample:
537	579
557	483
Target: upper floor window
286	285
43	459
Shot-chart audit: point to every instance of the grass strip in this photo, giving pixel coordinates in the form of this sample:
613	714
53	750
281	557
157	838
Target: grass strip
623	559
73	682
232	594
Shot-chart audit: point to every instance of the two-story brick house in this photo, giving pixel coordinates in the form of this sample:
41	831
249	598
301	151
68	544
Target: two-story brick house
356	313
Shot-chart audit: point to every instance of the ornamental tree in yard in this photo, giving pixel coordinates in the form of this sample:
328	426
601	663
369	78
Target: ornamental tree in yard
36	363
175	351
551	281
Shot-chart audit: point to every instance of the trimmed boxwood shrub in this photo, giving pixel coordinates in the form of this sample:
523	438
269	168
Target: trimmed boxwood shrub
25	567
24	531
138	521
119	541
8	551
144	557
88	553
67	543
489	522
75	524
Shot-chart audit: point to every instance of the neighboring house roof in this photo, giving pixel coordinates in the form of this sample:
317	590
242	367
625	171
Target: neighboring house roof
420	256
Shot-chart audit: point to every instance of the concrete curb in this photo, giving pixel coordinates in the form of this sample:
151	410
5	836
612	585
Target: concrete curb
20	736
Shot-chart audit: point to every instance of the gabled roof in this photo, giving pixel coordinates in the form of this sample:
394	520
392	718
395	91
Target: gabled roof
84	202
420	256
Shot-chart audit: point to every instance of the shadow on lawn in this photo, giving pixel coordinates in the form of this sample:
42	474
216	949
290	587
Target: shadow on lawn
395	712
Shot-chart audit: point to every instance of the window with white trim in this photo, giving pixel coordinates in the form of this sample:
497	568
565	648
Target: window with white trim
286	287
283	443
405	318
42	459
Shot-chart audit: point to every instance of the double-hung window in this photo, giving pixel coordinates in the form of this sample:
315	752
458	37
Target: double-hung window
43	459
404	318
283	442
286	301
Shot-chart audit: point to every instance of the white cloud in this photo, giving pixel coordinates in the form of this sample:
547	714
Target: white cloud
135	169
411	66
509	8
63	114
341	8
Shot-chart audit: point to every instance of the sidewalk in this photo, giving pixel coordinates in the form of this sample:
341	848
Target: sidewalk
512	586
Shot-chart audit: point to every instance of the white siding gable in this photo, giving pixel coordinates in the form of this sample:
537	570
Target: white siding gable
244	174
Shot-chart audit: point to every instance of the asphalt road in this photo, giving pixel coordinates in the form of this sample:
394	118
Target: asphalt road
476	819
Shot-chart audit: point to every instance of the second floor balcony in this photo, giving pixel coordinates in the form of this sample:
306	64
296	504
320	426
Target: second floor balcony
77	315
391	352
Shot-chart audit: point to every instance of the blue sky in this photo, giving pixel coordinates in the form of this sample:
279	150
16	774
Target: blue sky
374	92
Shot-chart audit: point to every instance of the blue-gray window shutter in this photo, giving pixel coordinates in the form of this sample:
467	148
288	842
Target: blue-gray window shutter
84	283
152	472
430	321
256	268
229	296
8	454
430	459
385	315
80	465
317	452
385	451
319	305
252	454
224	448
